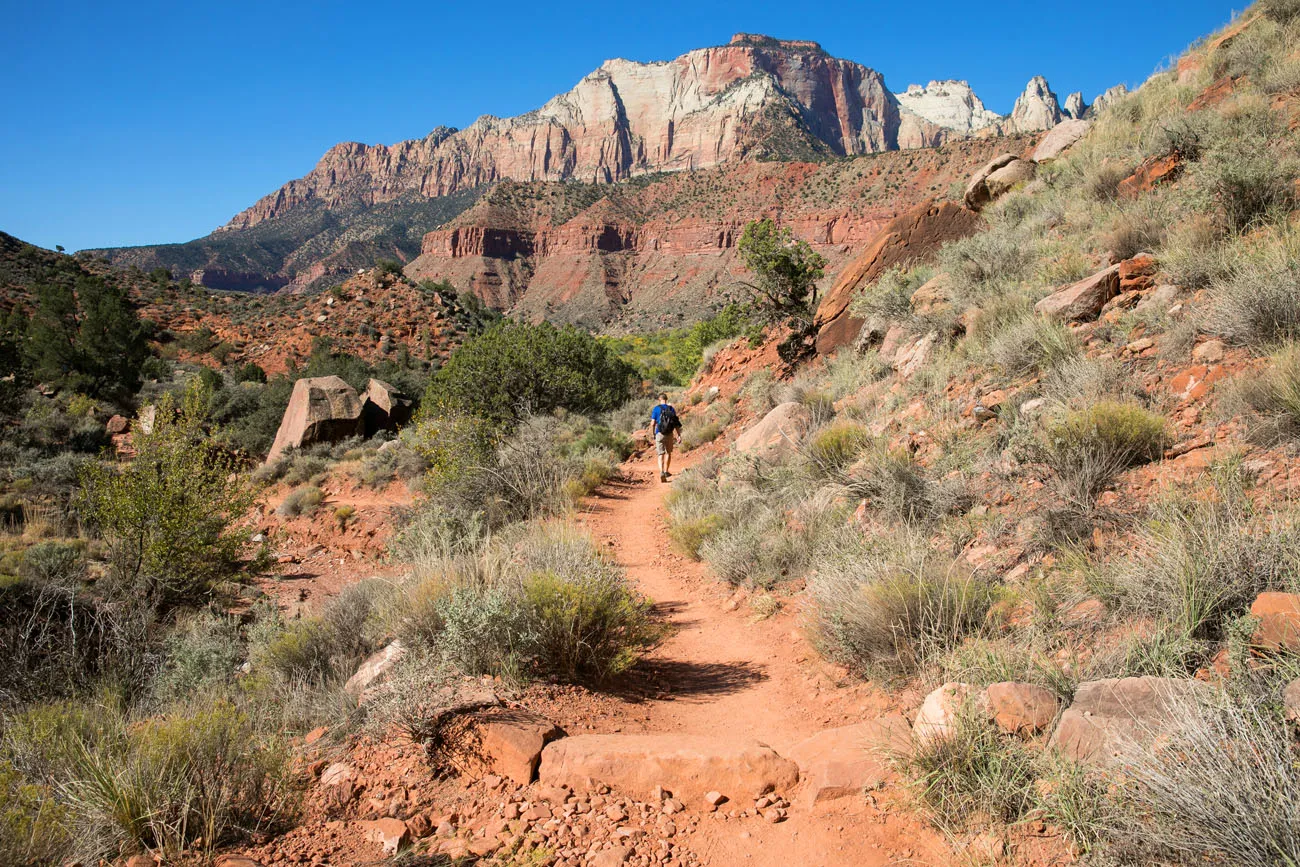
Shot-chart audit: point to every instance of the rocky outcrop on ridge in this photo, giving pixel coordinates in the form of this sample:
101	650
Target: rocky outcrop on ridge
949	104
1036	109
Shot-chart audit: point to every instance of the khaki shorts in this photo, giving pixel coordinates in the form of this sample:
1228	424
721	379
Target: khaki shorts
664	443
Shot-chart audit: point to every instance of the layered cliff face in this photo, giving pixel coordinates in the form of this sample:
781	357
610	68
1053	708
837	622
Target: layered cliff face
628	118
949	104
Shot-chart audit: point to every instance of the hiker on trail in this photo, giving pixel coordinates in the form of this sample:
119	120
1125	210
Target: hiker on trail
664	426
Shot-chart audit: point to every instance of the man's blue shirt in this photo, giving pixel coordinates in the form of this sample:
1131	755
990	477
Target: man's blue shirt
656	412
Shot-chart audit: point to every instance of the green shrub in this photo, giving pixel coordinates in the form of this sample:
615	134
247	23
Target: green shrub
892	481
1032	344
1249	166
1273	397
832	449
1086	449
895	611
33	824
304	468
889	299
200	656
168	515
301	501
53	563
514	369
972	775
690	535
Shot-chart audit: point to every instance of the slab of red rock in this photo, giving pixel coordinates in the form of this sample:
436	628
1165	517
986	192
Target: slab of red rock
1108	718
1279	621
1153	172
1021	708
938	713
234	861
384	407
910	237
934	296
116	425
1138	274
373	670
689	766
977	193
847	761
321	409
389	833
511	740
779	430
1083	300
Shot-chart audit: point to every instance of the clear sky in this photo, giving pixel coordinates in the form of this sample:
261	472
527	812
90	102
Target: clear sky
147	122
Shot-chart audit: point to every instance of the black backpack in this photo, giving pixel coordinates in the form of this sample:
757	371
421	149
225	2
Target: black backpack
668	420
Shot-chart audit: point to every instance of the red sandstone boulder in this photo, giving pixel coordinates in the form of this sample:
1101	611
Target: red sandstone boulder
1021	708
116	426
779	430
996	179
1279	621
510	742
321	409
847	761
1153	172
1083	300
1138	274
1109	718
909	237
689	766
389	833
934	297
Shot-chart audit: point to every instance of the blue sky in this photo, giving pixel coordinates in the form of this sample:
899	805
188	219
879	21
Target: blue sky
149	122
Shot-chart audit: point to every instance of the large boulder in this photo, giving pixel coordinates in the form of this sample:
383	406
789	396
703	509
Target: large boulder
847	761
909	237
689	766
1083	300
1109	718
998	177
934	297
779	430
384	407
1279	621
1060	139
321	409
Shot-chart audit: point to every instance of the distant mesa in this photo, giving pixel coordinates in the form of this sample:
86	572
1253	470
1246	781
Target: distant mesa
757	40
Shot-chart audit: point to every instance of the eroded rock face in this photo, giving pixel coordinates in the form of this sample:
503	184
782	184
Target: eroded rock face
374	669
783	427
949	104
1083	300
689	766
1036	109
510	742
1279	621
1106	100
321	409
704	108
910	237
1109	718
1074	107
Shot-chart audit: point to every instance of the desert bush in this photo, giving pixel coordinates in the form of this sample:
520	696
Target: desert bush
1083	382
514	369
761	389
981	661
762	544
1273	398
889	299
33	824
892	481
306	468
1201	561
53	563
167	516
1259	303
898	608
1281	11
1032	344
1249	165
1224	788
1075	799
1194	253
1101	183
1086	449
199	656
973	775
301	501
833	448
1134	231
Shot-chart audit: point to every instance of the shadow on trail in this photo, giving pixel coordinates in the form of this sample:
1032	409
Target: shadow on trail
673	678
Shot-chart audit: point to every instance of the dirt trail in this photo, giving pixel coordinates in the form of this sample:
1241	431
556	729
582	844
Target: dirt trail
725	672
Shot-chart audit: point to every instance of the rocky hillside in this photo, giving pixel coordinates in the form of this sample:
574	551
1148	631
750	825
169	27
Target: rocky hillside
755	99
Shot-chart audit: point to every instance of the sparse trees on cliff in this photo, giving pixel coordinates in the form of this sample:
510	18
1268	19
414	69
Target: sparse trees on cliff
784	289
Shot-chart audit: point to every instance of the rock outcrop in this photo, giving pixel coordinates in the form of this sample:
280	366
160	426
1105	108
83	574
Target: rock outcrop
1036	109
949	104
1110	718
384	407
1082	300
844	762
1059	139
1279	621
321	409
1021	708
910	237
781	429
1074	107
688	766
999	177
374	669
1106	100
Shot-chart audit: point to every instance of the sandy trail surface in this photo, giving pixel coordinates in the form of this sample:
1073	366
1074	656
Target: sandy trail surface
723	671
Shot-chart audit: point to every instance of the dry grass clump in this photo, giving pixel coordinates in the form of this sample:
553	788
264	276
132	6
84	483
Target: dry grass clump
897	485
896	609
1030	344
1086	449
301	501
1273	398
1258	303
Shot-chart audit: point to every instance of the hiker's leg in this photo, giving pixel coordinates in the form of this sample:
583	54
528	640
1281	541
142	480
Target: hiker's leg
668	453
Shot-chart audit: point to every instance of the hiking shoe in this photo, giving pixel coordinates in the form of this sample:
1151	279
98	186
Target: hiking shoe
663	477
